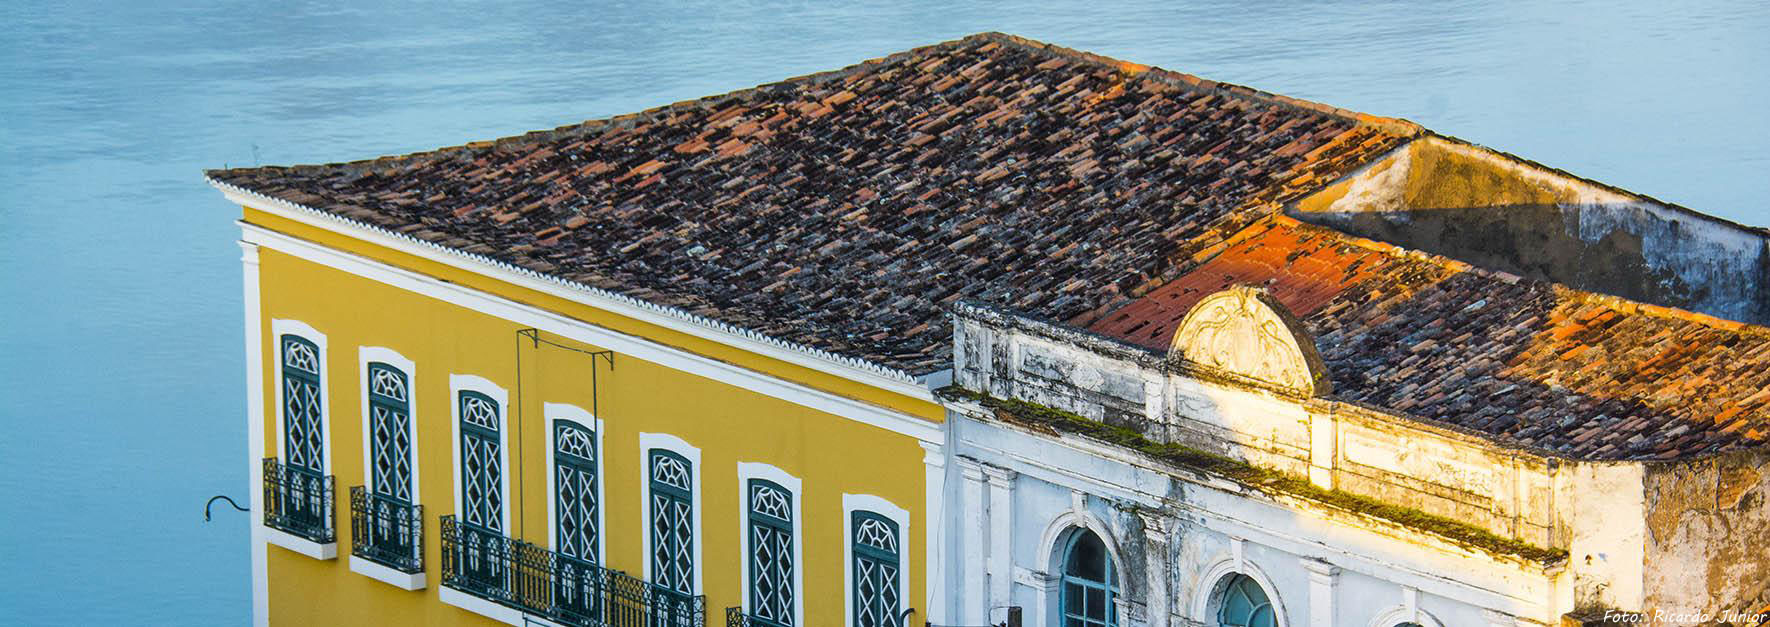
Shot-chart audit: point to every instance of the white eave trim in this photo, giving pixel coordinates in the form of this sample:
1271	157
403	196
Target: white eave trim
858	370
639	347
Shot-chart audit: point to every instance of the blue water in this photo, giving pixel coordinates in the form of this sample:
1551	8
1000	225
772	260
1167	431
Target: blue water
120	341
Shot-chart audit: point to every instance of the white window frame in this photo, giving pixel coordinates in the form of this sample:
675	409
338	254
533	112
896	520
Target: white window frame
278	328
366	355
668	442
555	412
459	383
852	503
759	470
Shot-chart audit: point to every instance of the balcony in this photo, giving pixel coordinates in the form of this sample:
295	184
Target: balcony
387	539
535	581
298	510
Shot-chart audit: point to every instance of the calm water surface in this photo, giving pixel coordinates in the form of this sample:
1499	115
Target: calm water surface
120	360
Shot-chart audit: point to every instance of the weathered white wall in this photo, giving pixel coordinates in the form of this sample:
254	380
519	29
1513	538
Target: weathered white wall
1374	564
1400	461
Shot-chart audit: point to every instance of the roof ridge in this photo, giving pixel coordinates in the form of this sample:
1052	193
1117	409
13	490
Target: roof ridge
1613	302
1193	81
627	120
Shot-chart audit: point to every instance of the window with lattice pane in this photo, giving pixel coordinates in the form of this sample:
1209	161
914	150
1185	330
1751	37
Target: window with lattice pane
1089	591
1243	603
303	428
772	594
672	521
575	504
877	564
482	470
390	432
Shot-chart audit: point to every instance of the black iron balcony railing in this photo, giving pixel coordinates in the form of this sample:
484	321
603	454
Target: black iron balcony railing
735	617
386	531
299	501
557	587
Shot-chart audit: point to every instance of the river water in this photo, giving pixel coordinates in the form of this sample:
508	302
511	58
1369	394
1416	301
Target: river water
120	341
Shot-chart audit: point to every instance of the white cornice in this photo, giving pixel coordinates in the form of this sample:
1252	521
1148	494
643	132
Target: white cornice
854	369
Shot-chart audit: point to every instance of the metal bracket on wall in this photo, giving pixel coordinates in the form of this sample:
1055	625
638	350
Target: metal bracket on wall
535	341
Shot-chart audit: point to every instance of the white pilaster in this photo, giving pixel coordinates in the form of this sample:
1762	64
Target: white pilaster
1001	525
934	491
255	433
1322	577
973	599
1157	529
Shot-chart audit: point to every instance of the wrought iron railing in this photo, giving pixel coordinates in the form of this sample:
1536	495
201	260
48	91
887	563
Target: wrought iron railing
386	531
557	587
299	501
735	617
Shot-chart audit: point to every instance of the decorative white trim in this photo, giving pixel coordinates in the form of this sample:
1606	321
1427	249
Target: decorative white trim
255	433
628	345
933	503
758	470
1323	578
365	355
1404	613
1001	531
459	383
851	368
1226	565
665	441
1052	540
852	503
973	596
278	328
554	412
396	578
301	545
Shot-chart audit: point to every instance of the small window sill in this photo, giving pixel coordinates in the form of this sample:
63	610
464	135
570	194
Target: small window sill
494	611
301	545
390	576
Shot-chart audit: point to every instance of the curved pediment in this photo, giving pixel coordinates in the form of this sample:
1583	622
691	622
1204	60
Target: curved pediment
1243	331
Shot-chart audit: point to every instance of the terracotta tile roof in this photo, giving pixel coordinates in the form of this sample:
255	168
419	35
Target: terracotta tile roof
1534	363
844	211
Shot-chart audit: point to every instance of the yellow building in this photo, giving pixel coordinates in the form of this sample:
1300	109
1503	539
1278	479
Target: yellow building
522	444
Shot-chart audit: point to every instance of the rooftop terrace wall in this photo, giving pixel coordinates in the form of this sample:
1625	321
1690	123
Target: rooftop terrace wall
1497	211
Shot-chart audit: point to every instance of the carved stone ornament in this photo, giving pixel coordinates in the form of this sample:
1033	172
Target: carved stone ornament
1245	332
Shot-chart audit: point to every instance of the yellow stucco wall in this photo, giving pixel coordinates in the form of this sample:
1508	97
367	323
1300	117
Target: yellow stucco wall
832	455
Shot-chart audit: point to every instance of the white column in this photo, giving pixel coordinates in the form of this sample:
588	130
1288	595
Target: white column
1157	527
255	433
973	600
1322	577
1001	525
934	496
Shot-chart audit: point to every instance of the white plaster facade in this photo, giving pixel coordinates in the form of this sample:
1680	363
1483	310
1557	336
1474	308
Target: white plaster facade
1176	533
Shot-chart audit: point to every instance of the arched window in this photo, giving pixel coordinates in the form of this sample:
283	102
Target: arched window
482	496
389	516
877	563
304	433
772	596
1089	590
1242	603
575	503
672	521
390	432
